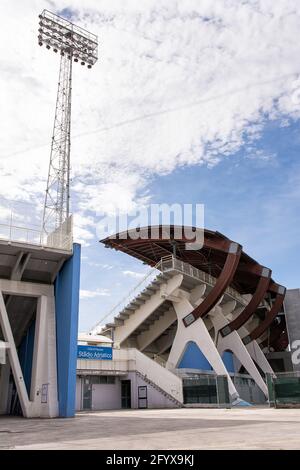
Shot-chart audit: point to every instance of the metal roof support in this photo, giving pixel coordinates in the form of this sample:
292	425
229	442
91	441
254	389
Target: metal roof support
264	325
225	278
250	309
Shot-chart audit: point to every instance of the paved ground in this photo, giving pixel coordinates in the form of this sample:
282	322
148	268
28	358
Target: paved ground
249	428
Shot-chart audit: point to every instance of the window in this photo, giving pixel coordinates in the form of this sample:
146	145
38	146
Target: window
102	379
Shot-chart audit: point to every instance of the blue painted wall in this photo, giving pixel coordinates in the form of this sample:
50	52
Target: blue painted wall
25	353
227	358
67	305
193	358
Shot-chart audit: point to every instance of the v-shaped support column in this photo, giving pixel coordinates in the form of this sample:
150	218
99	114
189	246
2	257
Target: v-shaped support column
258	356
253	348
199	334
250	339
234	343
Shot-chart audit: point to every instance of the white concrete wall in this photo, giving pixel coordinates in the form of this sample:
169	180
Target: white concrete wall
107	396
44	371
155	398
129	361
165	379
120	362
104	396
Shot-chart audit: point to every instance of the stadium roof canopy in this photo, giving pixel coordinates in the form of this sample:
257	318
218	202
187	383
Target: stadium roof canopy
150	244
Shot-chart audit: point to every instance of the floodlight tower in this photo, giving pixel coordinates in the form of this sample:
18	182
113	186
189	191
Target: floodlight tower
78	45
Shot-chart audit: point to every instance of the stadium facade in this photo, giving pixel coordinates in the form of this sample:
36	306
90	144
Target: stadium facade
205	326
39	297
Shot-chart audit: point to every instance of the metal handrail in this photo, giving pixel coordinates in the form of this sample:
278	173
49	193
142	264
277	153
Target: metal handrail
16	233
166	263
190	270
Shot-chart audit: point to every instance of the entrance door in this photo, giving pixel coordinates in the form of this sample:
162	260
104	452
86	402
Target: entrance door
126	393
87	394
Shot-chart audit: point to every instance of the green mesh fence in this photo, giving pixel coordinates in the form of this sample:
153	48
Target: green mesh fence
284	389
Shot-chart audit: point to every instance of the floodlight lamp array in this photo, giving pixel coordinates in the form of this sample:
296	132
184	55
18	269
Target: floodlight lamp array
68	39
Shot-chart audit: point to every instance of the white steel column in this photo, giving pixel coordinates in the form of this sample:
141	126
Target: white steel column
234	343
199	334
253	348
258	356
14	360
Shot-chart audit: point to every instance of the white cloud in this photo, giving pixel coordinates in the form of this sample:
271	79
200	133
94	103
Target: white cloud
177	83
83	228
91	294
261	156
101	265
134	274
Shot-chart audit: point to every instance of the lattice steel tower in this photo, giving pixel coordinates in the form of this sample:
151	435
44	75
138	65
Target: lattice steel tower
78	45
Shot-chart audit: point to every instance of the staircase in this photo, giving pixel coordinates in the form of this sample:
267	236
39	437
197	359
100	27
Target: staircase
160	378
132	305
167	267
146	379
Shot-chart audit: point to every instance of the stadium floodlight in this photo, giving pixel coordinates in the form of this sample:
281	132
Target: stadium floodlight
78	45
62	35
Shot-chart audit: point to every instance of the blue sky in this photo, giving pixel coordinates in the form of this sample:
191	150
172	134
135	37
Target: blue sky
190	102
252	196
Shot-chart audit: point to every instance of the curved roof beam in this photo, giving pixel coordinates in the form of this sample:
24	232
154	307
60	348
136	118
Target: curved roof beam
275	334
249	310
232	260
264	325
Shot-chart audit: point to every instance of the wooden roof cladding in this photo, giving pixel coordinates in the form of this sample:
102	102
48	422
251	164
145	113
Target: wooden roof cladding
209	258
215	254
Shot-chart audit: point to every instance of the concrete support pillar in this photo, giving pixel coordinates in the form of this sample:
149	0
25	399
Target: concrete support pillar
39	371
234	343
199	334
258	356
43	391
256	352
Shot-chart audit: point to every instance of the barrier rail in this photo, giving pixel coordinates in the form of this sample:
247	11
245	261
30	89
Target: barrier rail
170	263
60	239
167	263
